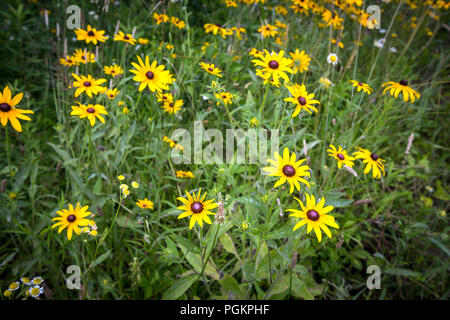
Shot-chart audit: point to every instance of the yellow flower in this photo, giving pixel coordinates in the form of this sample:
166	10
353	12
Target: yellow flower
8	111
83	56
341	156
72	219
332	19
184	174
225	97
372	161
244	226
198	209
268	31
217	29
274	66
125	110
301	61
211	69
145	204
7	293
143	41
172	107
153	76
128	38
113	70
362	86
314	216
288	170
134	184
112	93
254	122
90	35
402	86
12	195
301	99
256	53
13	286
326	82
91	112
68	61
88	84
121	177
340	44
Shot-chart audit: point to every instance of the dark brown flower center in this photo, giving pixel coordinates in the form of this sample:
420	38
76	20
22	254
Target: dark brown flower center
273	64
313	215
403	82
288	170
340	156
219	25
144	205
196	207
374	156
126	37
301	100
91	33
87	84
71	218
90	110
360	84
150	75
210	69
5	107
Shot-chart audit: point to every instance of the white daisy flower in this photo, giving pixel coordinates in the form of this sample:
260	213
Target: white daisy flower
35	291
13	286
332	58
37	280
26	281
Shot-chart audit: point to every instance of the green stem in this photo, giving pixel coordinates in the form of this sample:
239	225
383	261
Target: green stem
8	146
261	110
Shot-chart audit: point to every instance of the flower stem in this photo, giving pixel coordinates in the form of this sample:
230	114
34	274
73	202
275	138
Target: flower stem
261	110
205	261
8	146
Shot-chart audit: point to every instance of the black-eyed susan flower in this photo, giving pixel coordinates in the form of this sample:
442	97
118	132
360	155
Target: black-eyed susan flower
281	10
372	160
83	56
210	68
332	19
128	38
402	86
90	35
314	216
90	111
197	208
274	66
88	84
164	97
69	61
152	76
172	107
8	111
302	99
184	174
288	169
225	97
332	58
172	143
341	156
300	61
268	30
145	204
362	86
35	291
113	70
217	29
72	219
112	93
256	53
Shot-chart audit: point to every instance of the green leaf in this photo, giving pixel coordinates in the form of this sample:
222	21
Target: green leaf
300	290
441	246
179	287
228	245
402	272
101	258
